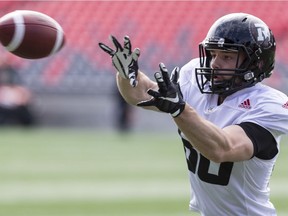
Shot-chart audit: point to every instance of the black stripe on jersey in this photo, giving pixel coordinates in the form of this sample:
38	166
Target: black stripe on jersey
265	146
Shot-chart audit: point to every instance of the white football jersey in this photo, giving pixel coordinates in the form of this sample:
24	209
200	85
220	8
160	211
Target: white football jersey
238	188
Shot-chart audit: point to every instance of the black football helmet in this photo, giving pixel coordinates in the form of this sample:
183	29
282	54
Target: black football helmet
237	32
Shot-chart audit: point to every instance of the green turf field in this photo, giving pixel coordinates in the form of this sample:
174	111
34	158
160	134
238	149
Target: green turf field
88	173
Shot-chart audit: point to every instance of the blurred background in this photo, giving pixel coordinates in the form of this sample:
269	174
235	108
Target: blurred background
65	163
76	87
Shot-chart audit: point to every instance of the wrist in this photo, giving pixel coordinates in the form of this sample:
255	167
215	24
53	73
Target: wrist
121	76
179	110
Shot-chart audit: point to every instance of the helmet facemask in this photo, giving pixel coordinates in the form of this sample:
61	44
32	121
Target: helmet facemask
241	76
243	34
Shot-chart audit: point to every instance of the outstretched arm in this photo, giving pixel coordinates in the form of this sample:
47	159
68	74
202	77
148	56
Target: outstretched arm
219	145
134	95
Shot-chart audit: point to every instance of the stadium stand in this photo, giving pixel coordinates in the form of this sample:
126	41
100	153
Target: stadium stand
166	31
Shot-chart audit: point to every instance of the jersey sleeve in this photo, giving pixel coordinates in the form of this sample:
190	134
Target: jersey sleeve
265	145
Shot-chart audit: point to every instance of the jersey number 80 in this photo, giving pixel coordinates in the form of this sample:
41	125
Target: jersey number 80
198	163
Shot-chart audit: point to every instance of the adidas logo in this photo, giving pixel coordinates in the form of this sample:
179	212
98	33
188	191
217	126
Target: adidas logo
285	105
246	104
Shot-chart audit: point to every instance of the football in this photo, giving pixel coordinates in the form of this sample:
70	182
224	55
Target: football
31	34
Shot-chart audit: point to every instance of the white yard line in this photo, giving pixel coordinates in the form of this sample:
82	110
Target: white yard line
19	191
85	190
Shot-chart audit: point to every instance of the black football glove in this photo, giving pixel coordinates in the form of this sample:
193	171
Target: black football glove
169	97
124	60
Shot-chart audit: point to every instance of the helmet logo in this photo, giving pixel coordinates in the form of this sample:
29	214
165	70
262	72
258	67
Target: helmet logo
221	42
263	32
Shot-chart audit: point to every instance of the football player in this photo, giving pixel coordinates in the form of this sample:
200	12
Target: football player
230	123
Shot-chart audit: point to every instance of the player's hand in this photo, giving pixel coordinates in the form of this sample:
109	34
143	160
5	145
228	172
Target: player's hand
169	97
124	60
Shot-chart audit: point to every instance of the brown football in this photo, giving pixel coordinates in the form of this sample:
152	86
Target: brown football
30	34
